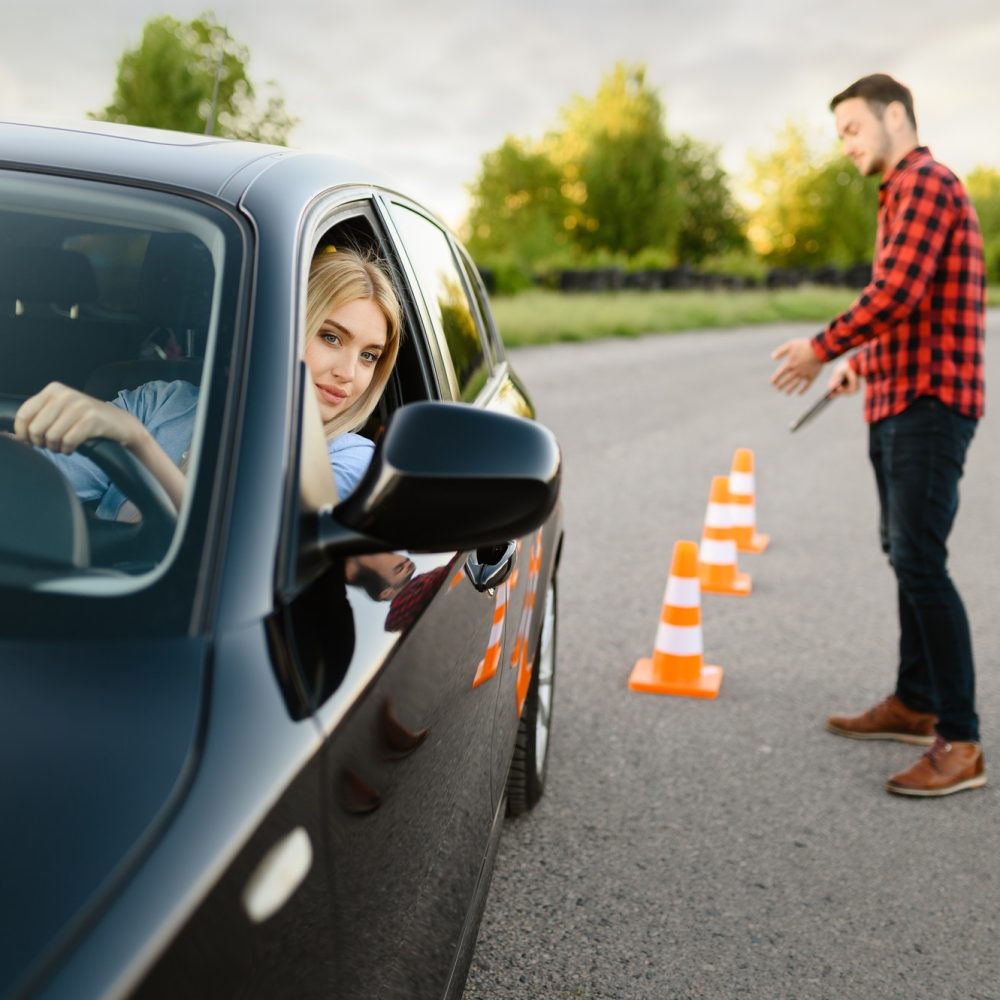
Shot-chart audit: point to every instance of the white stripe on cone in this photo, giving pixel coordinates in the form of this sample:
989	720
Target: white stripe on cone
683	592
679	640
718	516
744	515
717	552
741	483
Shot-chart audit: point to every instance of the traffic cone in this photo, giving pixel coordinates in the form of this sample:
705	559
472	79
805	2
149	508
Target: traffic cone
744	510
717	555
676	665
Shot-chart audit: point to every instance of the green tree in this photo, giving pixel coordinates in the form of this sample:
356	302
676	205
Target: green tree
615	145
983	185
192	77
841	214
520	211
607	183
711	222
810	210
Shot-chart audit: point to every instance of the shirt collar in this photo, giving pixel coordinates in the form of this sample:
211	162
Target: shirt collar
915	154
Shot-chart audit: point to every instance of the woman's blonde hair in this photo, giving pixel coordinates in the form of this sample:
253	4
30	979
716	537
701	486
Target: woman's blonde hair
337	277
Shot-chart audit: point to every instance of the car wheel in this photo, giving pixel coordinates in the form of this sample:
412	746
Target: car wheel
526	778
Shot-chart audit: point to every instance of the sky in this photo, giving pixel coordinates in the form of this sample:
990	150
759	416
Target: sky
421	89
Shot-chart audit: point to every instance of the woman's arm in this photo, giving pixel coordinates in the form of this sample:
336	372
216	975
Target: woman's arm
61	419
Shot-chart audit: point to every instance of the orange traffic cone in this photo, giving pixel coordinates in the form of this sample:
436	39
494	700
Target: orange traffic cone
744	510
717	555
676	665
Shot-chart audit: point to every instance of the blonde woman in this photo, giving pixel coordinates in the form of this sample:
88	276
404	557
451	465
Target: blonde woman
352	338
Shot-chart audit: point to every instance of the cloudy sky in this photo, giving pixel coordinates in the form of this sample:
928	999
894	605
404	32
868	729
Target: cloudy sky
421	88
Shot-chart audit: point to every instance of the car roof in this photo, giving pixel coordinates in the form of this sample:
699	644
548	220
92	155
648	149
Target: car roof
220	168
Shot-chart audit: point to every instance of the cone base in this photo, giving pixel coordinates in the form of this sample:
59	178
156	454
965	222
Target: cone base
757	543
740	587
643	678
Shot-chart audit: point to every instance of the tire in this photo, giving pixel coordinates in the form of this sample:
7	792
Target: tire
526	777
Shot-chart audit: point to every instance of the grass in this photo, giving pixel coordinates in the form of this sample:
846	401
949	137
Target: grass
541	317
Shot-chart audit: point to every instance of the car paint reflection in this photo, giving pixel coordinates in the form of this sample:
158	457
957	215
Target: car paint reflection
488	664
394	761
520	659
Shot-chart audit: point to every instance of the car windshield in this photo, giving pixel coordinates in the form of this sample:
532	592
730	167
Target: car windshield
118	294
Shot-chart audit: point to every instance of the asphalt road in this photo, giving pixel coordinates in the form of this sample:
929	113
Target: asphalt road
733	848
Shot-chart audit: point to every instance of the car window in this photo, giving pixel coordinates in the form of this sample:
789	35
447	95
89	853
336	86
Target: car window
454	316
115	294
475	282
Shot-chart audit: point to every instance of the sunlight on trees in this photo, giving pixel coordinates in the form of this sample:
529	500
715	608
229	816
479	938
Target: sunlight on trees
984	190
607	183
810	209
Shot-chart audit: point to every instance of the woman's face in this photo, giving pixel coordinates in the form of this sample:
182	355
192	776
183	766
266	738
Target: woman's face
341	358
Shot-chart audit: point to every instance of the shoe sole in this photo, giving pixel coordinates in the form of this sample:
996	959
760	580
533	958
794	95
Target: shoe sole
936	793
912	738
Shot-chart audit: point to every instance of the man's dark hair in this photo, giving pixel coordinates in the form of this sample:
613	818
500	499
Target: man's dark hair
879	90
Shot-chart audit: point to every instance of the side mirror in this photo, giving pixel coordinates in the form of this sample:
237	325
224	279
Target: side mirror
447	476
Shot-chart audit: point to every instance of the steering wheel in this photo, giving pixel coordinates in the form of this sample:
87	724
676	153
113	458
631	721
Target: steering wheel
159	516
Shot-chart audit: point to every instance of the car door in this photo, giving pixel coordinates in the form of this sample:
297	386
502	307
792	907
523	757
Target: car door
460	318
392	648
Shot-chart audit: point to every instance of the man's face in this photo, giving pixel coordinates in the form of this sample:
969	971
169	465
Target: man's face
863	136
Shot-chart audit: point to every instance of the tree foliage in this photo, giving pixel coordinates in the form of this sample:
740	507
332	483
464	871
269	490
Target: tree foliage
712	223
983	185
192	77
607	183
615	147
811	209
521	211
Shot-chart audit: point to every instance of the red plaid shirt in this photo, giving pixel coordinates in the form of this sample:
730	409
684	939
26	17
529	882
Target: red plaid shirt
922	317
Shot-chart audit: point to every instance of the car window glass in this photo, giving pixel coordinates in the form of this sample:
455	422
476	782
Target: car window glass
493	342
444	293
114	294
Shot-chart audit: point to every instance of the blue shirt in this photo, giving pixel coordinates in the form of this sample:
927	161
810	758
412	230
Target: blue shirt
167	409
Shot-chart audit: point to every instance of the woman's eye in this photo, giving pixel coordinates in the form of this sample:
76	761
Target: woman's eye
369	357
332	338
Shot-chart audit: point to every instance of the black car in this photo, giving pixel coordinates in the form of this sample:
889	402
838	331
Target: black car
230	767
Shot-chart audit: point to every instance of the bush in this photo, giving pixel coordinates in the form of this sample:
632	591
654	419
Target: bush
652	259
505	277
737	264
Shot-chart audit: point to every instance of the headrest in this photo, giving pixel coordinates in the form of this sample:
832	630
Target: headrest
176	283
63	278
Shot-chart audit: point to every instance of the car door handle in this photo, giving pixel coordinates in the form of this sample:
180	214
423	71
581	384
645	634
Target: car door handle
488	567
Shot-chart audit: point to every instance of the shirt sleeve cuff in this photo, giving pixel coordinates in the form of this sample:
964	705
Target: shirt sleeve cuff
821	348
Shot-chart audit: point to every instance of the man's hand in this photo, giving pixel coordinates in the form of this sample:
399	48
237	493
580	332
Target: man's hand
844	380
800	367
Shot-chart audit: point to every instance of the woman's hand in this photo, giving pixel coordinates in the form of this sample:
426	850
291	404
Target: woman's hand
61	419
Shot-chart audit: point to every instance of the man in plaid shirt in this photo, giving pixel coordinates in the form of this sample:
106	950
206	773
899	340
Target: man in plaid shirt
919	327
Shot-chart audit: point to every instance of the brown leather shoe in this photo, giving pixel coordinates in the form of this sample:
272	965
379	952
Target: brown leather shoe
890	719
944	768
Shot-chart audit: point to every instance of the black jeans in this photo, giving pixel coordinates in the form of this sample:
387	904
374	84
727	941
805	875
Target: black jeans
918	456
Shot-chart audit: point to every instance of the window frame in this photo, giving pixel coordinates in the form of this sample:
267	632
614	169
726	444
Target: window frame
431	327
